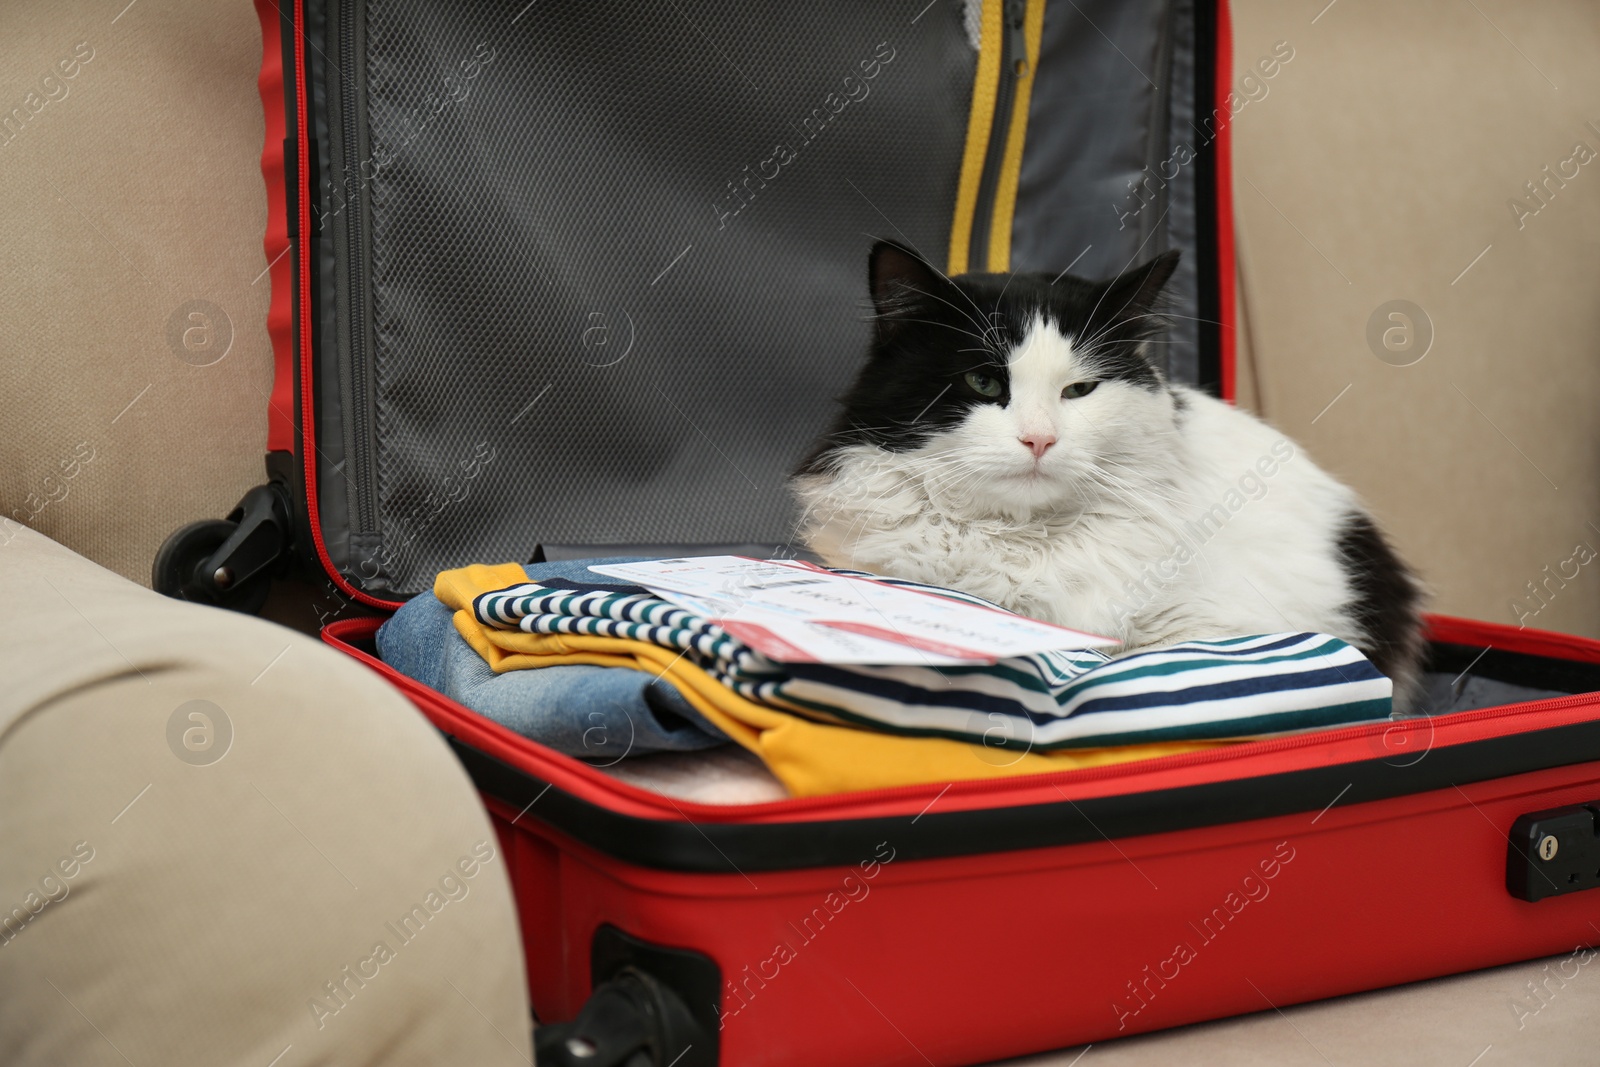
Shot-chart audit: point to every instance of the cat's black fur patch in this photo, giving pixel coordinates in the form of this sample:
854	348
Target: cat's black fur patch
1387	602
931	331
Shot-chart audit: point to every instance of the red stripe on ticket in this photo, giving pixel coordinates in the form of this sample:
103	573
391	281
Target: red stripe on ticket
938	648
765	641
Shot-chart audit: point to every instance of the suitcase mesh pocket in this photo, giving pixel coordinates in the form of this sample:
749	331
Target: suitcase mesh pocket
615	258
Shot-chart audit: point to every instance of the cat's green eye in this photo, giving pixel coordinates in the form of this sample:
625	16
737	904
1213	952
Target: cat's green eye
1077	389
983	384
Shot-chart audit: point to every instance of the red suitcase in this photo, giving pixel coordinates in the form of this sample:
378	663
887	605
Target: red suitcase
951	923
962	922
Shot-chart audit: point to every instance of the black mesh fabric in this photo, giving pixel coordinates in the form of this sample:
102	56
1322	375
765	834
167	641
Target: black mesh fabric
586	324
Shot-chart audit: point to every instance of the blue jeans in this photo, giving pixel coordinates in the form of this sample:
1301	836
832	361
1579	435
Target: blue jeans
595	713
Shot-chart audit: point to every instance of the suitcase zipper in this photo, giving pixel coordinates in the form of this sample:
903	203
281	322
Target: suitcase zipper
358	474
1013	64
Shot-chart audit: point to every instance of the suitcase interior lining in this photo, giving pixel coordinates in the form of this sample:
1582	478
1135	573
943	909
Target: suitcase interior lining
585	278
1466	677
611	270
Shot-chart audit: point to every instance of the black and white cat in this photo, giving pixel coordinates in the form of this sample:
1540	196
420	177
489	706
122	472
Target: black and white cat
1011	437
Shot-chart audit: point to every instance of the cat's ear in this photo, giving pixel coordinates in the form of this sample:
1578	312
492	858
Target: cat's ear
896	273
1134	292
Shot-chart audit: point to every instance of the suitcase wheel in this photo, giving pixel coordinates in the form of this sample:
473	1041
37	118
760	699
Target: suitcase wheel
228	563
630	1020
184	569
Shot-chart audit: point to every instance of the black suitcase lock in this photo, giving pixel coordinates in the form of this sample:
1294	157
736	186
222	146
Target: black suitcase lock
1554	852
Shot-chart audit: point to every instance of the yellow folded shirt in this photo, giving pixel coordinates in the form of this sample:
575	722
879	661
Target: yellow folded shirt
809	758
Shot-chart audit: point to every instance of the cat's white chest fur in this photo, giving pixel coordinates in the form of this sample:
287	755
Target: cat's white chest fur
1221	530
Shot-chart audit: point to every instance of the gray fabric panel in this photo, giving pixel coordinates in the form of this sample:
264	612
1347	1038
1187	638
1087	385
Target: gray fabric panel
577	189
1446	694
1097	124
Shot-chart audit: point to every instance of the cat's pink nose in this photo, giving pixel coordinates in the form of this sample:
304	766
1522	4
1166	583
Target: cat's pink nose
1038	443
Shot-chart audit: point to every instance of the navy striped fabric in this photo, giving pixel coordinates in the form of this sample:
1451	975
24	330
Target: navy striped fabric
1232	687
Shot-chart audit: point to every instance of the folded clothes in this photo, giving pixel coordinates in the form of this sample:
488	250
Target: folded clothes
809	758
592	712
959	723
1201	690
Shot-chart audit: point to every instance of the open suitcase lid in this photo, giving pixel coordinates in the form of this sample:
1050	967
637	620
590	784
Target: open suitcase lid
567	276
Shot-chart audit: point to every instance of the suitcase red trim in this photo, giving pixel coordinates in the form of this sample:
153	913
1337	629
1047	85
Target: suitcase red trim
291	428
275	167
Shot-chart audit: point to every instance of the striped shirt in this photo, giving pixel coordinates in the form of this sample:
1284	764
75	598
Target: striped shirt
1235	687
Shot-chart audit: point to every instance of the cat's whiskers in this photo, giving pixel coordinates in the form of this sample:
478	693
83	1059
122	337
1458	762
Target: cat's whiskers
946	476
1142	488
867	512
1167	316
997	300
987	340
1115	319
1178	540
985	326
1113	494
852	433
964	294
1124	491
1088	345
1149	486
